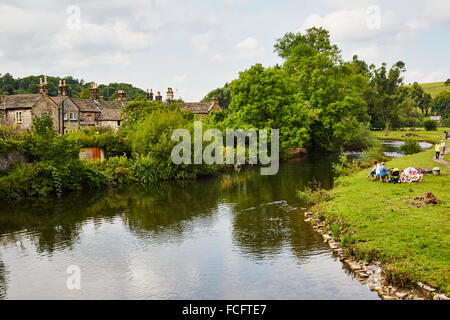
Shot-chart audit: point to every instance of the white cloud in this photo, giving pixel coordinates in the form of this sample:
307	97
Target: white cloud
438	10
249	48
217	58
421	76
201	41
358	25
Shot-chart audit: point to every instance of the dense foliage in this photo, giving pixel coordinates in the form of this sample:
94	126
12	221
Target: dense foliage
76	88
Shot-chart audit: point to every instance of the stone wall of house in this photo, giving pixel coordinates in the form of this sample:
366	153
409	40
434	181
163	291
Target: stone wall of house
2	117
69	107
47	106
11	158
10	118
111	124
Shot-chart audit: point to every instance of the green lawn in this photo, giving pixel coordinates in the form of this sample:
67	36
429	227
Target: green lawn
412	241
434	88
421	135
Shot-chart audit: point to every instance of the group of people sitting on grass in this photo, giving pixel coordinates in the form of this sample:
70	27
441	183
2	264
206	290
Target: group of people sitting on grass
394	175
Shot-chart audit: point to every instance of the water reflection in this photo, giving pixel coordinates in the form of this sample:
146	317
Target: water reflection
236	236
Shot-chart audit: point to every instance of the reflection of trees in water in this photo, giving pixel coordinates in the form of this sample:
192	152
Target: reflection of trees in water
3	283
263	224
166	210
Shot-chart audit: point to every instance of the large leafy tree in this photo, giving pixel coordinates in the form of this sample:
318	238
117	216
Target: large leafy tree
332	87
421	98
265	98
384	95
441	104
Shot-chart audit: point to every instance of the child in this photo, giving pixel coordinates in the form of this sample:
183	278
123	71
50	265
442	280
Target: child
374	171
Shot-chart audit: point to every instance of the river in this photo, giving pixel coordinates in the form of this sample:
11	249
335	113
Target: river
236	236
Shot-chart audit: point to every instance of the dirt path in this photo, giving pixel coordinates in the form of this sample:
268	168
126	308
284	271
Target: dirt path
442	162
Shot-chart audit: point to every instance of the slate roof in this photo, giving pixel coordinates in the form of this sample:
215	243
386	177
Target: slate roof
87	105
197	107
20	101
111	110
59	99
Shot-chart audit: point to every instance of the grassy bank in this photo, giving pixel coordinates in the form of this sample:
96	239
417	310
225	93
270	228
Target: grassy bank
421	135
387	224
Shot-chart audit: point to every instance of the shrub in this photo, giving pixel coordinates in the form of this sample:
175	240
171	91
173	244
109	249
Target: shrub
344	167
370	155
430	125
313	194
119	169
411	146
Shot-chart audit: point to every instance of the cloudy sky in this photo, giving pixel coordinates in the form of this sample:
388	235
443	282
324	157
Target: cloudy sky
197	45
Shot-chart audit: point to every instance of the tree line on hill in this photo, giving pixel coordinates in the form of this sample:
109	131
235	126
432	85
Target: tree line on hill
77	88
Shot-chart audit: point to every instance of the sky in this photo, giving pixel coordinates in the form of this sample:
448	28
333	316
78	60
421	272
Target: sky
194	46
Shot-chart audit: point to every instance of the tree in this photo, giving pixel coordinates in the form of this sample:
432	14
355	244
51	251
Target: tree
222	94
421	98
447	82
332	88
441	104
265	98
384	95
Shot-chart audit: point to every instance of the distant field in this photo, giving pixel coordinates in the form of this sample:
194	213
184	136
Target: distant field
434	88
421	135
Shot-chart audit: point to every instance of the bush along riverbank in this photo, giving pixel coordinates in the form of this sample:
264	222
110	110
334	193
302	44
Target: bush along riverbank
395	237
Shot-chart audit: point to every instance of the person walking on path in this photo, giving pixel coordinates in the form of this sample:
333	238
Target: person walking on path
437	148
443	148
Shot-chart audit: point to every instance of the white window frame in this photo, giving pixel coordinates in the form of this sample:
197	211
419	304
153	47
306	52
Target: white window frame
65	116
19	117
73	116
89	117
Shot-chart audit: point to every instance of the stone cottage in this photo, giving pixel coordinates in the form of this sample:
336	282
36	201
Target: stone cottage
70	113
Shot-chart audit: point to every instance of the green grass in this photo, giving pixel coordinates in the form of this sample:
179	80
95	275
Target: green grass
421	135
413	242
433	88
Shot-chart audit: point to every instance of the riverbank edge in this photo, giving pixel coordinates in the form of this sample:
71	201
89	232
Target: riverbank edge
371	274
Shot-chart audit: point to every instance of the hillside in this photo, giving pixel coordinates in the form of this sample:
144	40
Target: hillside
433	88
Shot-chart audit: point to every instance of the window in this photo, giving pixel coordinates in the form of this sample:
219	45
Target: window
43	114
97	123
118	123
65	116
73	116
89	117
19	117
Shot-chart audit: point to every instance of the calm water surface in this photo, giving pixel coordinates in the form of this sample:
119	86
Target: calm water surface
228	237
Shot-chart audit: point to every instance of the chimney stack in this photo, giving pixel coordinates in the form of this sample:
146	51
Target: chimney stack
158	97
121	95
214	100
169	95
149	95
93	92
65	92
43	86
62	88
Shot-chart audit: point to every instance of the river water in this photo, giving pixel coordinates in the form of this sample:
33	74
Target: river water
236	236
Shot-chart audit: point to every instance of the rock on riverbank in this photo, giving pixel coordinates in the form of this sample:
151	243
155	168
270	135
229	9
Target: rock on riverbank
372	274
